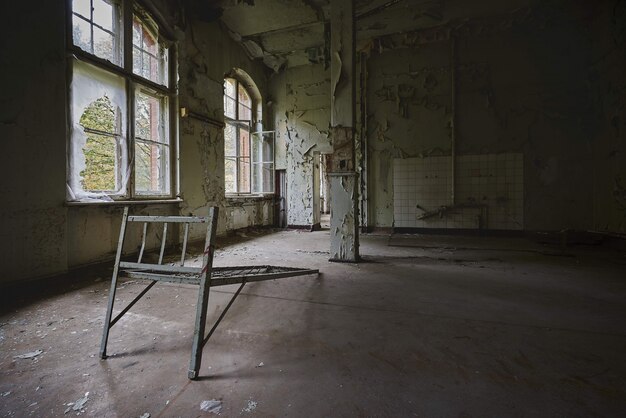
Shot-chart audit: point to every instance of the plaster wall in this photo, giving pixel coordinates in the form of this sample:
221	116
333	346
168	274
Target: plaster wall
527	82
302	111
205	56
39	234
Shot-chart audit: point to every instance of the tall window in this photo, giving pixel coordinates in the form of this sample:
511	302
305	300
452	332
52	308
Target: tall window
120	142
238	118
249	156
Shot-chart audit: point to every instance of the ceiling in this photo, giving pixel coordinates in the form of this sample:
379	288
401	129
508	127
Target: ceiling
292	32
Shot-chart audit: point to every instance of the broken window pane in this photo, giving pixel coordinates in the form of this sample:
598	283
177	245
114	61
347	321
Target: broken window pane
98	161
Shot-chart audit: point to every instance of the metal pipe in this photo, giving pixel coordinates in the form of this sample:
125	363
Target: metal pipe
453	117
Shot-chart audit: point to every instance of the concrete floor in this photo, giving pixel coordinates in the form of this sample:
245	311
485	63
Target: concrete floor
426	326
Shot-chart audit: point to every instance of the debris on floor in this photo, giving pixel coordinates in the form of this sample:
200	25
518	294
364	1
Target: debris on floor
32	354
213	405
251	406
77	405
261	364
5	393
145	415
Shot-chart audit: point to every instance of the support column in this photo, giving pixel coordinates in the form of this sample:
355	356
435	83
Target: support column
344	219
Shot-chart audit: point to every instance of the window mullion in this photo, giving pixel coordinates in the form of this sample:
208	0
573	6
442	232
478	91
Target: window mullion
91	43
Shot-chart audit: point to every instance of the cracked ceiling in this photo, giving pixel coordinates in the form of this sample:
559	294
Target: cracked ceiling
288	33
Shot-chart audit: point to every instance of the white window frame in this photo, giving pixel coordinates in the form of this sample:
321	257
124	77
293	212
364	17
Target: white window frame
253	161
164	89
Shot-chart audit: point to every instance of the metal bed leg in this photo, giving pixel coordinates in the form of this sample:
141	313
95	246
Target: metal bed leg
203	297
107	320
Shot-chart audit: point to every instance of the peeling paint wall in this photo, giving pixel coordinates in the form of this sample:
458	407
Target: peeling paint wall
40	234
533	81
207	54
302	112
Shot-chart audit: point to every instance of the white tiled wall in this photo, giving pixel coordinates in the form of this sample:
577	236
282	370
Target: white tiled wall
493	181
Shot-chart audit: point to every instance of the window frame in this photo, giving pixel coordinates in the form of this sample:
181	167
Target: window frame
237	125
127	10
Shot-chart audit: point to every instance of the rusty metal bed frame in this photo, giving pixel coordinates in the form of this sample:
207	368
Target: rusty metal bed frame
206	276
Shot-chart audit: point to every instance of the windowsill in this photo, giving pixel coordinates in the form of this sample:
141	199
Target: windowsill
248	196
125	202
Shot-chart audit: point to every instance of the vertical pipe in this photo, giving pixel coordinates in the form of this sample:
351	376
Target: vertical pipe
364	154
453	118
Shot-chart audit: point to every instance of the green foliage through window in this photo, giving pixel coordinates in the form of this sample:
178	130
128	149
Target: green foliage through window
99	121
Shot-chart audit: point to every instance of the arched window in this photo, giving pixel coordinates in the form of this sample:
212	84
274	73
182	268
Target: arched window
248	152
238	122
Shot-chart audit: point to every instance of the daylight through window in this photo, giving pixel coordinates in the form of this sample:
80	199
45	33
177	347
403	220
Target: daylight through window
120	142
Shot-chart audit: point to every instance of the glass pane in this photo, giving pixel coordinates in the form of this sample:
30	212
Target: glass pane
268	177
244	142
230	141
103	44
257	178
244	175
244	97
103	14
81	33
100	170
268	147
244	113
82	7
229	87
147	117
257	155
149	41
164	70
136	60
136	33
151	168
230	175
149	58
229	107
